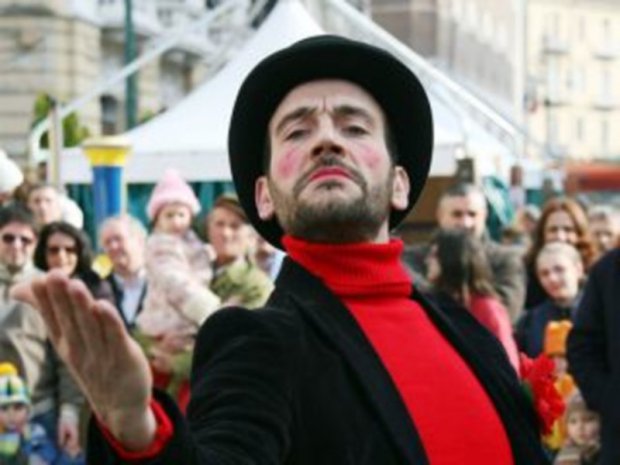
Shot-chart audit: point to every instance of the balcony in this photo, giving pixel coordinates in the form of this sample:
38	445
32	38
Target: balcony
172	16
606	102
146	23
557	150
554	45
607	52
557	98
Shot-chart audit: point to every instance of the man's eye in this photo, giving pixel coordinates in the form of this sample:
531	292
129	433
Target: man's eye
355	130
296	134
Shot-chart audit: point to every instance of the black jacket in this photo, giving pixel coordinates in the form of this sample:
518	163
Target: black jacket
117	292
594	350
298	383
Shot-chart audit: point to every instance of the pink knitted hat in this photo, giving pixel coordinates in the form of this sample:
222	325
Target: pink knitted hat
171	188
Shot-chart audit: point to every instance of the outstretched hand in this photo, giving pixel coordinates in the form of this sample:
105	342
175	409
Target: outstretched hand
107	363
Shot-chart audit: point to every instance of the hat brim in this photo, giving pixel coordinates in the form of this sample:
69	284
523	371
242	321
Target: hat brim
395	88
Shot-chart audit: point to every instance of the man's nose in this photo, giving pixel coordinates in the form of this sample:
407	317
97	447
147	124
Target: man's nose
328	140
467	222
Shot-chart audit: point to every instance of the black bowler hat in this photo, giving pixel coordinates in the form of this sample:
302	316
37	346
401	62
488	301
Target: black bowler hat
396	89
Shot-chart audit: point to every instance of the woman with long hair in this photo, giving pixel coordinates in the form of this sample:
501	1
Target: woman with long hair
64	247
460	274
562	220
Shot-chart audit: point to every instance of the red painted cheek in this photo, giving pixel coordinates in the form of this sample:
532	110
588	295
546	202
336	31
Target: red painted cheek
371	157
287	165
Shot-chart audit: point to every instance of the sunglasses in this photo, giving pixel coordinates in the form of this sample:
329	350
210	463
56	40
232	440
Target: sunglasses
56	249
9	239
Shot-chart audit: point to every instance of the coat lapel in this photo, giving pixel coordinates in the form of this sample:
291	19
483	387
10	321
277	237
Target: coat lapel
489	363
333	321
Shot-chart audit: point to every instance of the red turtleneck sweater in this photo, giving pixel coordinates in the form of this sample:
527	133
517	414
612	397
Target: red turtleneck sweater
453	415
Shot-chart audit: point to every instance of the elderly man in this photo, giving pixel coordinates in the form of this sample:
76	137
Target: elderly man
464	206
24	342
330	145
123	239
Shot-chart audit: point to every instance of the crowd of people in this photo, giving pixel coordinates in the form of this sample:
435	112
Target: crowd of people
164	281
528	290
546	287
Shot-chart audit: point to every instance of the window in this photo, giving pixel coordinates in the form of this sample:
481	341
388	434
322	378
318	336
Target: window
606	31
606	84
553	129
582	28
554	24
605	136
579	129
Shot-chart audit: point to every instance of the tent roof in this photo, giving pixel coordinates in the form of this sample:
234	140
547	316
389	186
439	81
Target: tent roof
200	121
192	136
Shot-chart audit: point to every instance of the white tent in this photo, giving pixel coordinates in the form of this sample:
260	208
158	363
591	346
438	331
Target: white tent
192	136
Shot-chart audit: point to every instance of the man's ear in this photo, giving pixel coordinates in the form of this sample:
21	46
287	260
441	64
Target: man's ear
262	197
400	189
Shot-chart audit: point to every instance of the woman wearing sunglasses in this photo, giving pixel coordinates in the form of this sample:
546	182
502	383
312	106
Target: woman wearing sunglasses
64	247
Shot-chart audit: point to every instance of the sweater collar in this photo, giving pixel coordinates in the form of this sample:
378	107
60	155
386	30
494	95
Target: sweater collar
354	270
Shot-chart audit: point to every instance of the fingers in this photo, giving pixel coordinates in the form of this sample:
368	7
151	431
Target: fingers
64	309
111	327
44	305
86	319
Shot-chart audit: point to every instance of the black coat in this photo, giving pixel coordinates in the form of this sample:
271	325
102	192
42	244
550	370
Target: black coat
117	292
594	350
298	383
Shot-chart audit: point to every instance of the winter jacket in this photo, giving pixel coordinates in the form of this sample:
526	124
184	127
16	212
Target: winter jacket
178	274
242	283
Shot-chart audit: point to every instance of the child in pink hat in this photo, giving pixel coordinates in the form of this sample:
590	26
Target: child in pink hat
179	272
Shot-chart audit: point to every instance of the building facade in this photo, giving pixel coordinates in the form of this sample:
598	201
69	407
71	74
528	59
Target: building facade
65	47
548	65
573	62
413	22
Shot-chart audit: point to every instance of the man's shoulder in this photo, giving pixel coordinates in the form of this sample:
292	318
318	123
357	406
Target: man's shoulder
266	328
502	253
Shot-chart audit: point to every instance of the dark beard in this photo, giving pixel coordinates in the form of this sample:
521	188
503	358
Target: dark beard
338	222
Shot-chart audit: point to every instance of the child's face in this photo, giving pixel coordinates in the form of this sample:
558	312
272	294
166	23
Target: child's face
583	428
13	417
559	276
174	218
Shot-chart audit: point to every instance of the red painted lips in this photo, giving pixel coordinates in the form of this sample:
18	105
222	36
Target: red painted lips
329	172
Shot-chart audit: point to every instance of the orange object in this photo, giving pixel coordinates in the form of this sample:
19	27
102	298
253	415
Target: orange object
556	334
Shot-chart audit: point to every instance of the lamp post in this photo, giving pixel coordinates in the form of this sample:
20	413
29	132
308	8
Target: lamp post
131	91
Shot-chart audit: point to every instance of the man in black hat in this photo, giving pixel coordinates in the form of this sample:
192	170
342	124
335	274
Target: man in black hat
330	144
